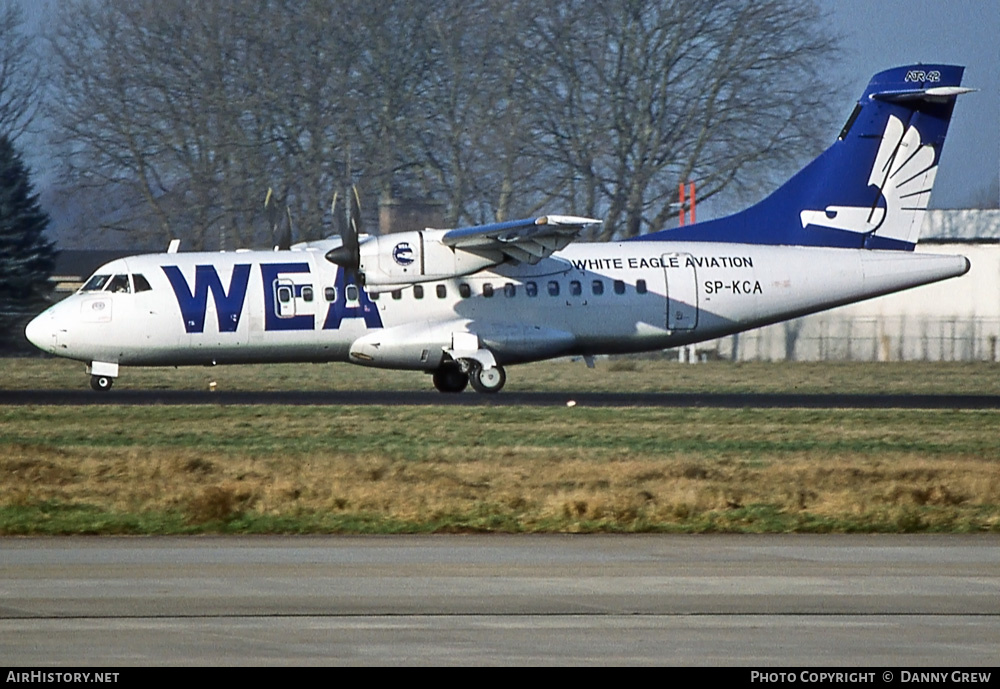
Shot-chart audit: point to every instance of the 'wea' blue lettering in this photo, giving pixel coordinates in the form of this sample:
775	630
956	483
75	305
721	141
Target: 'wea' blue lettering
339	309
193	304
273	319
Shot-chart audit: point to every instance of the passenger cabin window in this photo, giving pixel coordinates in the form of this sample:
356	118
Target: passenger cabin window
441	291
119	283
553	288
575	288
351	292
464	290
373	296
619	287
141	283
397	294
487	289
307	293
531	289
284	294
510	290
330	294
597	287
96	283
640	286
418	291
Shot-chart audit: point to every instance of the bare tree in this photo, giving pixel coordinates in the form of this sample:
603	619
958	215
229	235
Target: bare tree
180	114
478	139
20	90
189	111
649	93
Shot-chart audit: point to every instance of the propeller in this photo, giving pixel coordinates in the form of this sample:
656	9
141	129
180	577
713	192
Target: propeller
284	242
348	254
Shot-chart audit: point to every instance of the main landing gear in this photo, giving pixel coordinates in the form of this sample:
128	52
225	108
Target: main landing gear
454	377
487	380
450	378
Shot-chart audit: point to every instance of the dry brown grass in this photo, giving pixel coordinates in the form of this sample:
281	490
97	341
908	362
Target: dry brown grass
535	493
522	468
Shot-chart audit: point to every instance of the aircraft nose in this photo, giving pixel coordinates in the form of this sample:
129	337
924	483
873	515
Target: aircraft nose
41	332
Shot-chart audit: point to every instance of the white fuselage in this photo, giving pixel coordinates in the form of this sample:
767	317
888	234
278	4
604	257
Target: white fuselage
254	306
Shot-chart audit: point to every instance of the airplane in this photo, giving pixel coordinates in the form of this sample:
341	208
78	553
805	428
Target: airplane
464	304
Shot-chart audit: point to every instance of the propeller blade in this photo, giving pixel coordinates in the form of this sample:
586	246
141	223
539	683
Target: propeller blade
285	243
271	210
355	209
348	254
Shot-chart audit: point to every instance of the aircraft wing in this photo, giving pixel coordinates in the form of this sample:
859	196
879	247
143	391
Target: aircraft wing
528	241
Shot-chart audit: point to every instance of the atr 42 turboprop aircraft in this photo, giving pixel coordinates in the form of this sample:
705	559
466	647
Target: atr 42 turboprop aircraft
464	303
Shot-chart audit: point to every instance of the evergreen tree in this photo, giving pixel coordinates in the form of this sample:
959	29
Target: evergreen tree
27	258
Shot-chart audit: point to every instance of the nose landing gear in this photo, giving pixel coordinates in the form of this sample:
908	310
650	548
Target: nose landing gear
101	383
102	375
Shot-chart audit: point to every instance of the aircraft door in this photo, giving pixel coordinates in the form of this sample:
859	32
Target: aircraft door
284	298
682	291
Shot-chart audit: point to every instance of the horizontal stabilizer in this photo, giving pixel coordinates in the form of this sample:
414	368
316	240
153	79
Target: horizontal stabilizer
930	94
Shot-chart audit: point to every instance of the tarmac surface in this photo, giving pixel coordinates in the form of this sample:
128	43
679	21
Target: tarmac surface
873	601
532	399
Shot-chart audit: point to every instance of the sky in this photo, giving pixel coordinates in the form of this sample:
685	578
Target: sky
879	34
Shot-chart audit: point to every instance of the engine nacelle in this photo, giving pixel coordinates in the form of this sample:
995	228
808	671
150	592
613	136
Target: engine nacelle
414	347
403	258
424	346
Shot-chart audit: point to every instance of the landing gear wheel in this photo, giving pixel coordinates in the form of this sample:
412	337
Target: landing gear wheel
487	380
101	383
449	378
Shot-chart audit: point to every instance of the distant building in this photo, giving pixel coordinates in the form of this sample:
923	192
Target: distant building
404	215
74	266
964	225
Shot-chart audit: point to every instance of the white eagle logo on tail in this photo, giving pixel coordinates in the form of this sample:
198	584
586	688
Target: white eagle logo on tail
904	172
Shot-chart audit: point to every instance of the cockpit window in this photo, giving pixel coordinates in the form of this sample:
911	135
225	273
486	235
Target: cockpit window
119	283
96	283
141	283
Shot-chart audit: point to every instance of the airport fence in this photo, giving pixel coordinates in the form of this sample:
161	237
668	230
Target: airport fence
897	338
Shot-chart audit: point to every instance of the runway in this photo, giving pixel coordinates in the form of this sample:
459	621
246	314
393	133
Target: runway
532	399
759	601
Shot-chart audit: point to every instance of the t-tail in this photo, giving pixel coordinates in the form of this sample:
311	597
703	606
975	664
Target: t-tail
871	188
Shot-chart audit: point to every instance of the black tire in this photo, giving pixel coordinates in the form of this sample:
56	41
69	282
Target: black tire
450	379
488	380
101	383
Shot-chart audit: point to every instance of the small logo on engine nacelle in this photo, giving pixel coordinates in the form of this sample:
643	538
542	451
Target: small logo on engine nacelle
403	254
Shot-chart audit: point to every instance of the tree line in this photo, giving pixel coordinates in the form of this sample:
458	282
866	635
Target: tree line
27	257
175	116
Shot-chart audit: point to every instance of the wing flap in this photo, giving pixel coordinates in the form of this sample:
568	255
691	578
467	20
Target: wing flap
528	240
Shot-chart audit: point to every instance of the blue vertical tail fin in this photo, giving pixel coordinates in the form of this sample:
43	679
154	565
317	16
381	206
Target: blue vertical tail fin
871	188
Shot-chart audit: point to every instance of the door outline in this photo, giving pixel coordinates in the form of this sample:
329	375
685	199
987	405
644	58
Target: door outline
681	280
284	308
